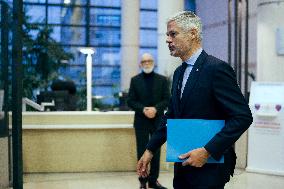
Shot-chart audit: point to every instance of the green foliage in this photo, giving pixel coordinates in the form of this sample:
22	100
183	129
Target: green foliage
82	101
42	57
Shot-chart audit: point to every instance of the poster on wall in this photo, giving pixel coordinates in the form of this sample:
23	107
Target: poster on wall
266	134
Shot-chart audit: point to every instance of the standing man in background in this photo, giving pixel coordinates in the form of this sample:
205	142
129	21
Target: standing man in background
204	87
148	97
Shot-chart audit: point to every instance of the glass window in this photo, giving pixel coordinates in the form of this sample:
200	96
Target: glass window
104	95
33	33
190	5
77	2
148	38
73	15
56	34
69	29
107	56
148	19
63	15
106	75
148	28
69	35
148	4
10	3
105	17
102	91
104	36
36	13
76	73
111	3
34	1
106	82
54	15
79	58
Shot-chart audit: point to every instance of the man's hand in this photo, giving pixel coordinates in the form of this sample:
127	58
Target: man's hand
150	112
143	164
196	158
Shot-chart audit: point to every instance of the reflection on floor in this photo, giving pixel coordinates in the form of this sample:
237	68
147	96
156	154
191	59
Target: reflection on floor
128	180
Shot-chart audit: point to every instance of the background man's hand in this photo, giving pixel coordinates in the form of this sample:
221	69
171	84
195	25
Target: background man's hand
150	112
196	158
143	164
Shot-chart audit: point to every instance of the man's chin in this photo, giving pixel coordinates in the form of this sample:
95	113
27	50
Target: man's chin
172	53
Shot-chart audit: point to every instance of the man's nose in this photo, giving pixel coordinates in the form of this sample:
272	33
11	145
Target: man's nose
169	39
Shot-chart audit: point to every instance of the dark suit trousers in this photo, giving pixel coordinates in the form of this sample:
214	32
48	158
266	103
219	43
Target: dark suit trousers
183	180
199	187
142	139
182	184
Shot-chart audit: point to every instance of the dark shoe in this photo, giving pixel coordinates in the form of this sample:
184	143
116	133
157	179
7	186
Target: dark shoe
156	185
143	183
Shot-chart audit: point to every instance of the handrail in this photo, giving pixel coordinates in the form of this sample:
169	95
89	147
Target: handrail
26	101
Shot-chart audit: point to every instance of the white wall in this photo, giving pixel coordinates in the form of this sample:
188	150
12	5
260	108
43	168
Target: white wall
4	174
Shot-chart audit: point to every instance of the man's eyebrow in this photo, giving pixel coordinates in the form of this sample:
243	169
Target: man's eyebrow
171	31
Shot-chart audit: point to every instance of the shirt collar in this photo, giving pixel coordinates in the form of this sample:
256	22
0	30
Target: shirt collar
191	61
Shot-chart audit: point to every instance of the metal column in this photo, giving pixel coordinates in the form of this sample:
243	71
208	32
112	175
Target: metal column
17	88
246	50
230	32
240	59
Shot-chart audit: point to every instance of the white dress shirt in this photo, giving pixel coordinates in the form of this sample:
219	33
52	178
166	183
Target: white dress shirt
191	61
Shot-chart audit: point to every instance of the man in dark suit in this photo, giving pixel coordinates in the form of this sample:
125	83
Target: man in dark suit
204	87
148	97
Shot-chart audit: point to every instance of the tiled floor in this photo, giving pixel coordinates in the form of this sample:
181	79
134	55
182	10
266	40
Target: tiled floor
128	180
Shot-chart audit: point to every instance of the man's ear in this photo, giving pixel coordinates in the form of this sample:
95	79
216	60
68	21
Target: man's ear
193	33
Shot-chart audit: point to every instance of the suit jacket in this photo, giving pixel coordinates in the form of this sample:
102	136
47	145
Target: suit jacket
138	99
212	93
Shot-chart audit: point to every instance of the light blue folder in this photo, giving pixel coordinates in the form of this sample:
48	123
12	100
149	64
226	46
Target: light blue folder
184	135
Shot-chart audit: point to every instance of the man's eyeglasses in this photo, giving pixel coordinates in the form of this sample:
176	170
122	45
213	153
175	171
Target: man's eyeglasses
146	61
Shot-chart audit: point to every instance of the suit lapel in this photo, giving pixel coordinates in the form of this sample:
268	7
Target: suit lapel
193	77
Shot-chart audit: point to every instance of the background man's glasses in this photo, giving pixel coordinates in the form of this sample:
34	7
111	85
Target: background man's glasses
146	61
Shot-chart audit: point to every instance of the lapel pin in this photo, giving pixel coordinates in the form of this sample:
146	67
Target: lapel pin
197	70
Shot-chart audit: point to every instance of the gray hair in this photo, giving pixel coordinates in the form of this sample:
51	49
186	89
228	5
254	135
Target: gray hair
187	20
